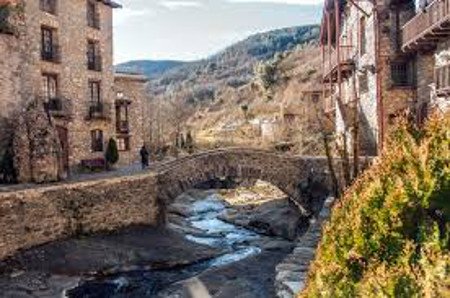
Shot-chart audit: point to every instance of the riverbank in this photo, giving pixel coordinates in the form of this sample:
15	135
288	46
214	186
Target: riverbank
224	242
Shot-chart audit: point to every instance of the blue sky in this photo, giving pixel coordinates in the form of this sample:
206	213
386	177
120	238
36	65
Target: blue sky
193	29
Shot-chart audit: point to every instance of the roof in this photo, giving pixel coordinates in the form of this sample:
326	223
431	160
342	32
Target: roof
130	76
110	3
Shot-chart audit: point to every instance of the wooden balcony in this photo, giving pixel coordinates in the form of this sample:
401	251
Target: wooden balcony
442	79
331	63
427	27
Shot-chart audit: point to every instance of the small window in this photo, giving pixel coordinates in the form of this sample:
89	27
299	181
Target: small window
401	74
48	6
95	93
93	55
49	86
123	144
49	48
93	18
363	82
362	36
97	140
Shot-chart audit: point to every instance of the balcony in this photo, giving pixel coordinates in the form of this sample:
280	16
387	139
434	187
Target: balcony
95	63
59	107
123	126
442	79
98	111
332	65
51	54
427	27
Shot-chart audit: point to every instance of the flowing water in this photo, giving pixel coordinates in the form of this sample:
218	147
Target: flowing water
238	244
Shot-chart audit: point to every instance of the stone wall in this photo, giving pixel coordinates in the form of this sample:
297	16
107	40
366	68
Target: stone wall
36	216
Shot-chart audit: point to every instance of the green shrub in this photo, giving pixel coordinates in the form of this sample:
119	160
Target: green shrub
112	153
389	234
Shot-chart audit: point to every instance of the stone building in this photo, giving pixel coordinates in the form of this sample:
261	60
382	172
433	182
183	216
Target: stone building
370	78
58	55
427	38
130	111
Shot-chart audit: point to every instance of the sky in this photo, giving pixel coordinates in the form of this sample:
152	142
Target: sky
194	29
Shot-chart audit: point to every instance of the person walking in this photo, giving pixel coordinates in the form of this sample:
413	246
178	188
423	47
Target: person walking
144	157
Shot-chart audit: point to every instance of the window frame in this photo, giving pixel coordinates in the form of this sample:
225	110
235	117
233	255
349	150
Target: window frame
362	36
49	6
92	14
46	86
402	73
97	99
126	143
97	144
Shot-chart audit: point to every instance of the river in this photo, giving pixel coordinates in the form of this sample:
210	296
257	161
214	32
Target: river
215	257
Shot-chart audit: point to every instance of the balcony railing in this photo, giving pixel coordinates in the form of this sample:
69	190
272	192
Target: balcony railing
123	126
51	54
95	63
59	107
331	62
442	79
98	110
427	26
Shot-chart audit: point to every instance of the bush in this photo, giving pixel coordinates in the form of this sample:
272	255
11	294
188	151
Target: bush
389	235
112	153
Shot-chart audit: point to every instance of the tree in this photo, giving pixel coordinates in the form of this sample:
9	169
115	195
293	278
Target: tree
189	143
112	153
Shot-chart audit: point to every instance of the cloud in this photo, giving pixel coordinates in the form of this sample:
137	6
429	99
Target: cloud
290	2
176	4
124	14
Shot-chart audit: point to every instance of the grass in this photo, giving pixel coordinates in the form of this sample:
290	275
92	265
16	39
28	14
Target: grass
389	234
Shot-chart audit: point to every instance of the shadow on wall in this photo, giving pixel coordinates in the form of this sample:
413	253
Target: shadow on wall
368	136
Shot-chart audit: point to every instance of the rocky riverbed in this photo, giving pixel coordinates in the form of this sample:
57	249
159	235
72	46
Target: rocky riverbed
219	243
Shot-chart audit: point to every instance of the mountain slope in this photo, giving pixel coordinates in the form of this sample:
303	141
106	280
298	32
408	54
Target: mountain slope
151	68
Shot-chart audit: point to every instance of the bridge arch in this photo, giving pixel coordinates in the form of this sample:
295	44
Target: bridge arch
301	178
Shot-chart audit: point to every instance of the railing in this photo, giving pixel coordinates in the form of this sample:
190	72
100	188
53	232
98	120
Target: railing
95	63
442	79
429	18
59	107
52	55
123	126
98	110
331	58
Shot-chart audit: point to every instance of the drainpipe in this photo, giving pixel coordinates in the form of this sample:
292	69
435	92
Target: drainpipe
379	93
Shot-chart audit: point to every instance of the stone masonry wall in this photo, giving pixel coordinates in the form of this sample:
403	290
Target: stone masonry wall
36	216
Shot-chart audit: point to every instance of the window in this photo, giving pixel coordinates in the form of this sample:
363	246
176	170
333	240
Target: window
95	92
49	86
122	118
49	50
362	36
97	140
402	74
93	55
93	19
48	6
123	143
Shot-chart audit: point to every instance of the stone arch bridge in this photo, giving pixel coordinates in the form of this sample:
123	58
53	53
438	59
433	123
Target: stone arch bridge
303	179
31	216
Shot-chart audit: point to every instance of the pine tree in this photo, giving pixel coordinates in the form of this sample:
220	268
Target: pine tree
112	153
